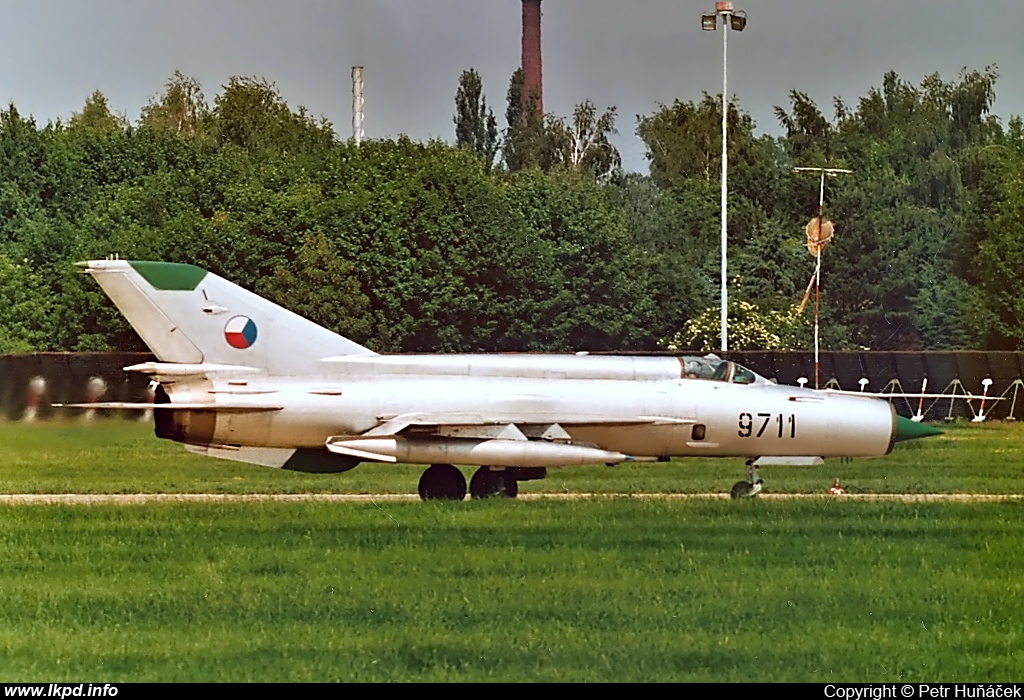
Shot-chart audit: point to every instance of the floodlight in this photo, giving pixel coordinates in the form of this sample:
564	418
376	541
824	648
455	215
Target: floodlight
709	21
738	20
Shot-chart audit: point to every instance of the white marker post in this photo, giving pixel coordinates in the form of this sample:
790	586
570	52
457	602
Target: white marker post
986	383
94	391
920	402
36	389
147	415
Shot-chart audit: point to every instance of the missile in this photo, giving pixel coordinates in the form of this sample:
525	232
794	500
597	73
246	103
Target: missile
484	453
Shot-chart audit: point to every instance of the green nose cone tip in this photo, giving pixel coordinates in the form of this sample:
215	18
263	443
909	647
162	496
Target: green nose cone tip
907	429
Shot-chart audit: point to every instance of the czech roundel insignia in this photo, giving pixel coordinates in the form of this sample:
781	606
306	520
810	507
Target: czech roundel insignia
240	332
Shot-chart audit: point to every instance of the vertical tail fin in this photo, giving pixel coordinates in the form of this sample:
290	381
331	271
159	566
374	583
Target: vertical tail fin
186	314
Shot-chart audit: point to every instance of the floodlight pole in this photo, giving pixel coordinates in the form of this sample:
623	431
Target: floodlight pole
738	20
725	187
831	172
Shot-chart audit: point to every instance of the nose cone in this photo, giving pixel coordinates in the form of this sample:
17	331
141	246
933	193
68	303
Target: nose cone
909	430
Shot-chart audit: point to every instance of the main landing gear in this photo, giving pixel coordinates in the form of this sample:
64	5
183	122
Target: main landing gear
751	487
487	482
444	482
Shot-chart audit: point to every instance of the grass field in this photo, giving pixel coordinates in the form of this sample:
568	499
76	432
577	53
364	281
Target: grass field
619	590
121	457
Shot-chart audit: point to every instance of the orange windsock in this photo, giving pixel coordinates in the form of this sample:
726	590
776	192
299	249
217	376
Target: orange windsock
819	233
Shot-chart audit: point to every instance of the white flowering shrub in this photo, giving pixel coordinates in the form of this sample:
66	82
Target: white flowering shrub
750	328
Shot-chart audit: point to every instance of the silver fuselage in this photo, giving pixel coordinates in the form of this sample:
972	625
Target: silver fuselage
639	406
242	378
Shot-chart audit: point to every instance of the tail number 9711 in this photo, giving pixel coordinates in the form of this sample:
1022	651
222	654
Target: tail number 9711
751	426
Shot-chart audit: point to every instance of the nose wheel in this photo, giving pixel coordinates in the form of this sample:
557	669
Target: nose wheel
750	488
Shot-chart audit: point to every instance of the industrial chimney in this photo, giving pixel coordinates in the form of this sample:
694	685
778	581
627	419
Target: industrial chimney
533	85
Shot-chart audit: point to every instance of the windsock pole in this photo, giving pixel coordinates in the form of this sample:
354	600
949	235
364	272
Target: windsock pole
820	243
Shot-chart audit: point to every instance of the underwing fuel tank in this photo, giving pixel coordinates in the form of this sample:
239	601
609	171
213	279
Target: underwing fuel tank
484	453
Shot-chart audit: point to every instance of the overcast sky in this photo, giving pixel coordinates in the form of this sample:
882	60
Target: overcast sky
632	54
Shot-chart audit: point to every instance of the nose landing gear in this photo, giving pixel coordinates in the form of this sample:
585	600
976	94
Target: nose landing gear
750	488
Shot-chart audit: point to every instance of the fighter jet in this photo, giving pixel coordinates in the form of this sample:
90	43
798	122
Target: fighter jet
241	378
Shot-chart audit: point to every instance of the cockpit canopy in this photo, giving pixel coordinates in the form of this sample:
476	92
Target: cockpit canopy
717	370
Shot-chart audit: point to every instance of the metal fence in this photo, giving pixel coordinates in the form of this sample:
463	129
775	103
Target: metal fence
999	375
31	384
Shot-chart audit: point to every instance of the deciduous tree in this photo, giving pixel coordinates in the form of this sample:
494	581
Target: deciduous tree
181	109
475	125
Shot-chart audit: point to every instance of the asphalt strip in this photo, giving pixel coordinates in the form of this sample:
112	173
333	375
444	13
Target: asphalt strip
126	499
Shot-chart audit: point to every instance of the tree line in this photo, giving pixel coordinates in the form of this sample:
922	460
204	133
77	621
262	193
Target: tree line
530	237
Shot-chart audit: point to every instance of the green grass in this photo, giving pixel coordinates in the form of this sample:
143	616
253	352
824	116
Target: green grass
120	457
613	591
606	590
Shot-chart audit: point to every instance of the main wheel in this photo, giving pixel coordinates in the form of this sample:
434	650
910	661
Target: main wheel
741	489
442	482
486	483
511	486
